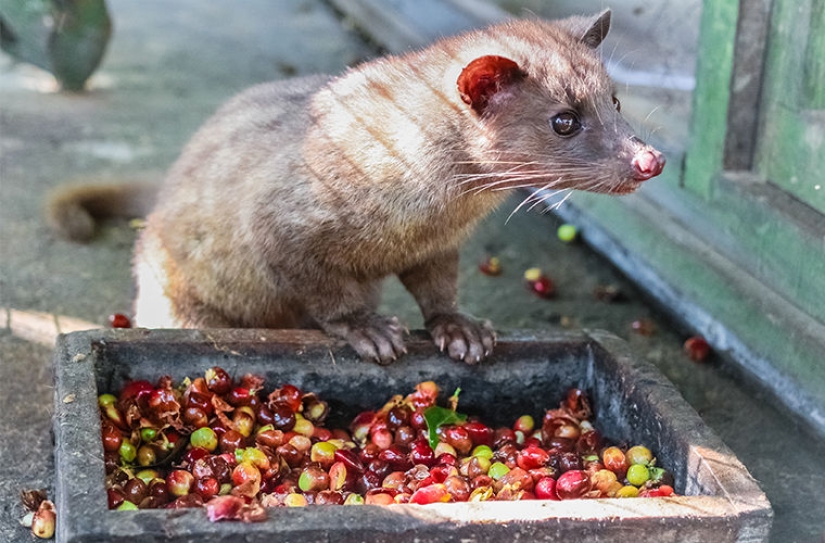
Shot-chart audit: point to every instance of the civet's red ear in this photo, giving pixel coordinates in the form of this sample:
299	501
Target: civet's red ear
481	79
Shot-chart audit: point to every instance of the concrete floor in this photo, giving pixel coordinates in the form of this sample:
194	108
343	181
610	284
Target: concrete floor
168	67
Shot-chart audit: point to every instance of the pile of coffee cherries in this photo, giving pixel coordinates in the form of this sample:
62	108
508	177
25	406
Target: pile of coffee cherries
237	449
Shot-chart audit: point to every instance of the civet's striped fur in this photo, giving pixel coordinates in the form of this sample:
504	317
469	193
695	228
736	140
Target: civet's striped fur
294	201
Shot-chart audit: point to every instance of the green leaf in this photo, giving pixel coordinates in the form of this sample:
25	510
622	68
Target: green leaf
435	417
655	474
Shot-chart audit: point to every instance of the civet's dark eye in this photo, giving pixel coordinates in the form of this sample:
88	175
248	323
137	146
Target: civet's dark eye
565	123
617	104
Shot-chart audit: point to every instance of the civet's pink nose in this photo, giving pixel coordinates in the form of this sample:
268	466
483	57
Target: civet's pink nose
647	163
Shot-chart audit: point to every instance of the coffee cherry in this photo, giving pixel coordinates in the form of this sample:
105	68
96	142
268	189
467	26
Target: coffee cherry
239	396
135	391
398	416
627	491
217	380
483	451
517	478
44	520
539	283
615	460
422	453
195	417
340	477
283	416
269	437
525	424
480	433
405	435
433	493
119	320
567	233
603	480
288	395
230	440
246	478
425	395
253	456
135	490
639	454
697	348
532	457
572	484
497	470
313	479
295	500
179	482
162	402
323	453
545	489
112	438
458	437
303	426
127	452
570	461
244	420
314	410
637	474
379	497
146	455
385	458
205	438
396	457
490	266
353	499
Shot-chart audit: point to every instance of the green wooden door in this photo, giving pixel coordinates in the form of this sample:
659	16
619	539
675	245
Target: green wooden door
791	147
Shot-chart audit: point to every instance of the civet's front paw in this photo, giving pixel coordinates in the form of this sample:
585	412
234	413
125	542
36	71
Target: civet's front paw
462	337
